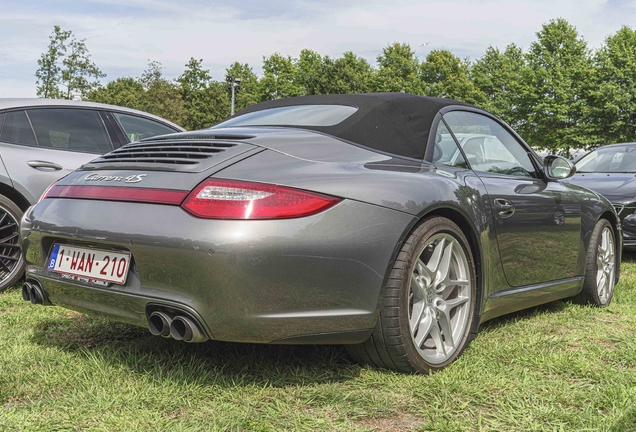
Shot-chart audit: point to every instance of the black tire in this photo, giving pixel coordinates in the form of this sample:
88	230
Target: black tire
593	293
11	256
392	343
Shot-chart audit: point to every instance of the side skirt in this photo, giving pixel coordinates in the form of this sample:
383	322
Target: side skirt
518	298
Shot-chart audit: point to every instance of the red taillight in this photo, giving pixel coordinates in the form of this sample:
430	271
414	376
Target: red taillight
46	192
234	199
117	193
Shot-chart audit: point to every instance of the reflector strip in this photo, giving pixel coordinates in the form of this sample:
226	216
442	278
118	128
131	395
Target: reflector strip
119	193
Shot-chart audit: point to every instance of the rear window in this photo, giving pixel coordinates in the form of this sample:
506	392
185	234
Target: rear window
70	129
300	115
138	128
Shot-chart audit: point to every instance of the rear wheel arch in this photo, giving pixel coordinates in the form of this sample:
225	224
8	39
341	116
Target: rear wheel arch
469	231
388	346
14	196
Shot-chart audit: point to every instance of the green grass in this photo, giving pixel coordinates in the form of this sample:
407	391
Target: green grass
557	367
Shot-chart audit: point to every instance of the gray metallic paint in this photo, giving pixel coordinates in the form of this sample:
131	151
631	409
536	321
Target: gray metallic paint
308	279
252	281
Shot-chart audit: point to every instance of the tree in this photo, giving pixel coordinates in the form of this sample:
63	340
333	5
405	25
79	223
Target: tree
310	72
80	75
554	88
205	101
126	92
398	70
249	92
498	76
76	72
280	78
347	74
161	97
48	73
610	116
444	75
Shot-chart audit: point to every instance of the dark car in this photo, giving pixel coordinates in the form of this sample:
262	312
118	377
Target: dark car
42	140
611	171
330	219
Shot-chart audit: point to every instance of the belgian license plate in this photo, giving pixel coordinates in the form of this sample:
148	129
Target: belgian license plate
92	265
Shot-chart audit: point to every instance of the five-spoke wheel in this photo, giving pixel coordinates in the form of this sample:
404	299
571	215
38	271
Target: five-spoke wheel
439	298
600	275
428	308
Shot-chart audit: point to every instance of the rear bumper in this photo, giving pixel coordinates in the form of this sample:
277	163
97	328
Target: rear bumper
246	281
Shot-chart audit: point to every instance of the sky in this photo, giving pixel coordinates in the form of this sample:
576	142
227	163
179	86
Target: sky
123	35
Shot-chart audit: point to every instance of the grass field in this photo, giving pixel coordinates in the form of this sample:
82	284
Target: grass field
556	367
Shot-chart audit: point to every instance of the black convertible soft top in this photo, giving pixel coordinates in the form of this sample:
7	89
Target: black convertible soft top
395	123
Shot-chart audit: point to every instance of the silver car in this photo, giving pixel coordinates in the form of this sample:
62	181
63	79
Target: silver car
42	140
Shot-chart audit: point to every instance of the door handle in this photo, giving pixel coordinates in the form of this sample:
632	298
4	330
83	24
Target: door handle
44	165
504	208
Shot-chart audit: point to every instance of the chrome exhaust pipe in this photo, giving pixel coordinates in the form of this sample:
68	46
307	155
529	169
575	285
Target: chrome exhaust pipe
159	324
183	328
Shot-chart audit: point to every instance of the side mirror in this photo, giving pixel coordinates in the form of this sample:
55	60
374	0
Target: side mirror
558	167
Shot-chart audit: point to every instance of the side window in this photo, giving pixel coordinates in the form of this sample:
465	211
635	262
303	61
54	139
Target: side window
446	151
17	129
1	121
70	129
137	128
488	146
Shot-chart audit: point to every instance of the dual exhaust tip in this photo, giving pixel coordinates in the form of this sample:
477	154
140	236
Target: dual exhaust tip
179	327
33	292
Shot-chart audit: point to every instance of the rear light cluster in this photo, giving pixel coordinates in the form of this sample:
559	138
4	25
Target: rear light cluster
213	199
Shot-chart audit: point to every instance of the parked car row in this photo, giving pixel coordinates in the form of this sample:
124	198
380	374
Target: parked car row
394	224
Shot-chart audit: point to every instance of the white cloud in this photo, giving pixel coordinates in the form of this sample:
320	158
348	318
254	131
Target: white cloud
122	35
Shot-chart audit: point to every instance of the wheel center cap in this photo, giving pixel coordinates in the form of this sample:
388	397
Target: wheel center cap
430	293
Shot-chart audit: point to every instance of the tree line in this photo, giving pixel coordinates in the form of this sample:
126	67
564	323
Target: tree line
558	94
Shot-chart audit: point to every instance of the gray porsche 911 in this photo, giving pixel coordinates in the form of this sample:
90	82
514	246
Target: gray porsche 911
392	223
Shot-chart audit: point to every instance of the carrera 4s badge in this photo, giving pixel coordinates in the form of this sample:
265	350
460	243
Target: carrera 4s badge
134	178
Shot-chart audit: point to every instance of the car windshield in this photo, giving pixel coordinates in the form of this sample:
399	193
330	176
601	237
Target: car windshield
619	159
299	115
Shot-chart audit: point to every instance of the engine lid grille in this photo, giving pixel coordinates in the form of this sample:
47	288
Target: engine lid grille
177	152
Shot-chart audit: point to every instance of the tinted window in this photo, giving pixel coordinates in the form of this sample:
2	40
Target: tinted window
446	151
1	121
488	146
609	159
138	128
300	115
70	129
17	129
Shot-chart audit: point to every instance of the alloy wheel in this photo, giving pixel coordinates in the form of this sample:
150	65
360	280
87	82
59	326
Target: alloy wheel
10	249
439	298
605	265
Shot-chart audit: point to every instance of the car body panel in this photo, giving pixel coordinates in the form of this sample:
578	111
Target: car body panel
31	181
316	277
539	241
4	174
256	282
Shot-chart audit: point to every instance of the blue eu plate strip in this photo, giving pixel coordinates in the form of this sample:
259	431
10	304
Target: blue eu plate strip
54	252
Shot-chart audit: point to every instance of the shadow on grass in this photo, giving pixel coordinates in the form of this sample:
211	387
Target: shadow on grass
212	362
629	256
